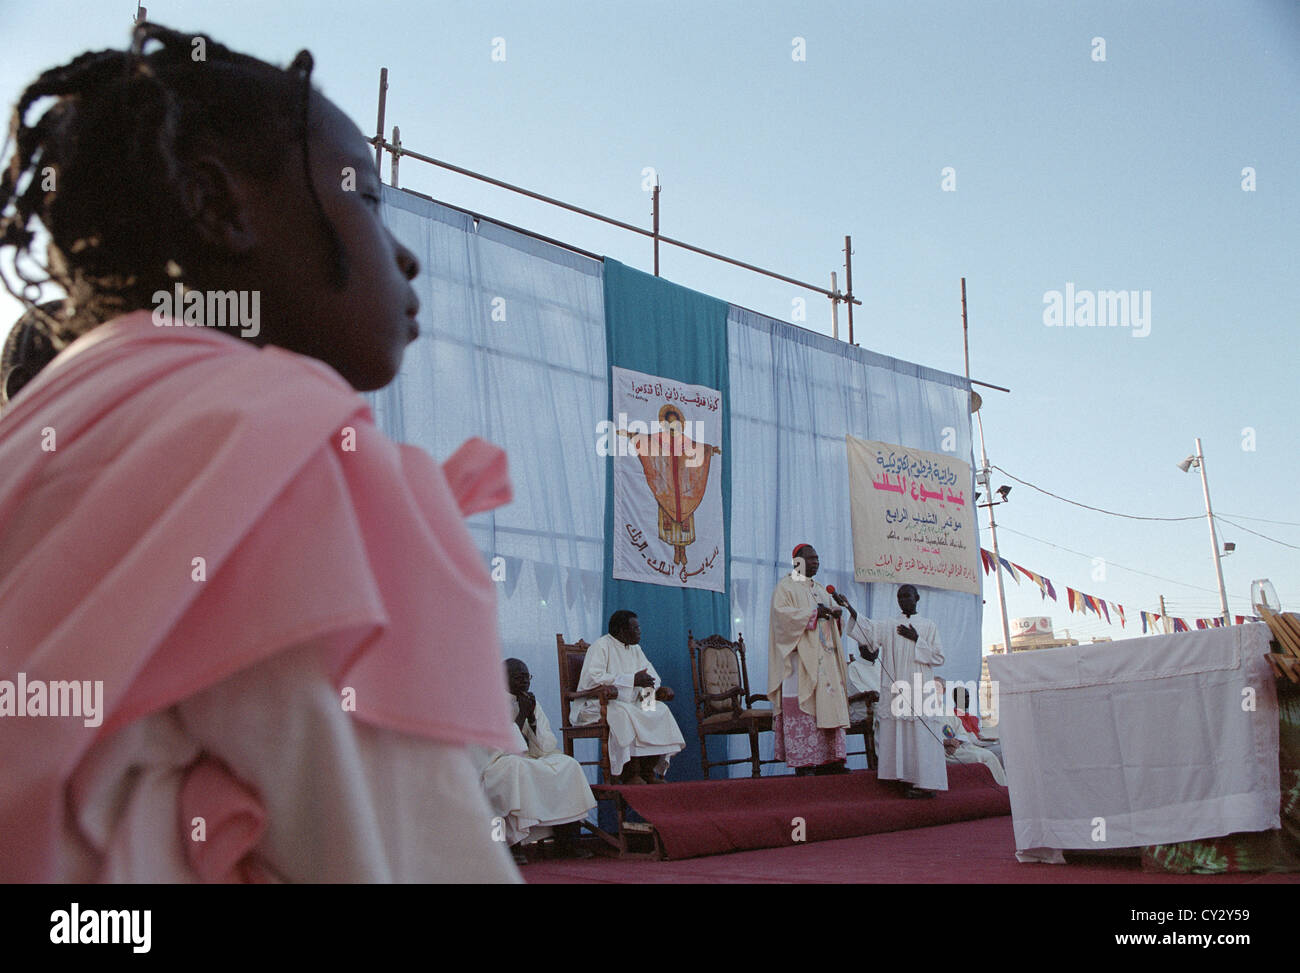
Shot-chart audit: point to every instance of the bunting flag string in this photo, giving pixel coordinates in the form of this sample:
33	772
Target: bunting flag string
1010	570
1078	601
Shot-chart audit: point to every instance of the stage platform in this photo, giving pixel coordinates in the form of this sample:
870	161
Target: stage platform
701	818
980	851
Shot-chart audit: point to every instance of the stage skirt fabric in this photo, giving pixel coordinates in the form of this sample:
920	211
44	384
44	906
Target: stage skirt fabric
799	742
1277	850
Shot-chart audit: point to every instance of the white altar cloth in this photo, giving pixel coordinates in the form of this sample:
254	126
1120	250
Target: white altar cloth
1142	741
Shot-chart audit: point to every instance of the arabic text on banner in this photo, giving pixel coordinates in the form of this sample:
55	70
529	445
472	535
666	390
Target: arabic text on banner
667	441
912	516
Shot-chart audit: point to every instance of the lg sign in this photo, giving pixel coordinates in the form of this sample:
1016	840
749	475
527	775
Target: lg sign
1038	625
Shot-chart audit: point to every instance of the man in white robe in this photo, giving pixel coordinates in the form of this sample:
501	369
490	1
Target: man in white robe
806	681
961	747
909	742
643	736
537	791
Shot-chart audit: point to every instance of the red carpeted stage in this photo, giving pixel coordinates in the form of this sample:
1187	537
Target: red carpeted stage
973	853
855	829
713	817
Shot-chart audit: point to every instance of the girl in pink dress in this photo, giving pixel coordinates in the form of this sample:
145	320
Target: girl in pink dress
243	635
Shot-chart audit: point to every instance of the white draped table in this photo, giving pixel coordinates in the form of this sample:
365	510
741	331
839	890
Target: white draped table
1145	741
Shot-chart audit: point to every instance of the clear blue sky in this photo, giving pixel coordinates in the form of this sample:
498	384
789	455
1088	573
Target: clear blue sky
1115	174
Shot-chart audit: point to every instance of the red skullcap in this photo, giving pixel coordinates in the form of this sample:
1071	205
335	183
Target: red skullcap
795	553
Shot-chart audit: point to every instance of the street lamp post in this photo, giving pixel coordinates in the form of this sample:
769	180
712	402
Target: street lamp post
1198	460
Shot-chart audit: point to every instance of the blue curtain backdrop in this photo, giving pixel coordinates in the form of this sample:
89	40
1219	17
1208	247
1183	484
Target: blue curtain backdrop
661	328
514	349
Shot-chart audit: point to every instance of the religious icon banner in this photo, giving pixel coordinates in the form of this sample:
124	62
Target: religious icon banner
666	439
913	517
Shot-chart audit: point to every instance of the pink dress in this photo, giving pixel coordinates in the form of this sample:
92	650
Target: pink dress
221	538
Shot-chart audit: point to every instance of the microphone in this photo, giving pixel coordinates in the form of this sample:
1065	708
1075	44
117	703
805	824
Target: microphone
839	598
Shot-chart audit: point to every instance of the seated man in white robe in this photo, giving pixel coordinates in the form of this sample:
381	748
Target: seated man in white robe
961	747
538	791
643	735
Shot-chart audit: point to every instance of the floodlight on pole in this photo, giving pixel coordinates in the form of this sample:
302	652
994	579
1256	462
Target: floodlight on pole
1197	459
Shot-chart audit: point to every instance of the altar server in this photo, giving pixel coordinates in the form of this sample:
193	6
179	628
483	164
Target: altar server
909	744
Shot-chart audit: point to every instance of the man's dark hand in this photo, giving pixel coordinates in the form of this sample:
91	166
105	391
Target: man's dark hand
527	706
908	632
608	692
643	678
664	694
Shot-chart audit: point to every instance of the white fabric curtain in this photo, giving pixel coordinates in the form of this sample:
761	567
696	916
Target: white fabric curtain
794	396
1140	742
512	348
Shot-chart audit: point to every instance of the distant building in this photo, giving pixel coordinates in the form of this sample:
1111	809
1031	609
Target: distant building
1034	632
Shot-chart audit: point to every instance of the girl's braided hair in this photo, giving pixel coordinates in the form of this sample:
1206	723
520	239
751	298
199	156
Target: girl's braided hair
101	168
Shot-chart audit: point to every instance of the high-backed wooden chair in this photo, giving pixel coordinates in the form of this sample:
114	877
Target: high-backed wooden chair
570	659
723	702
865	726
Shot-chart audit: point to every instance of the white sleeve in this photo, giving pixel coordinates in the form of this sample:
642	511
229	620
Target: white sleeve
864	631
928	650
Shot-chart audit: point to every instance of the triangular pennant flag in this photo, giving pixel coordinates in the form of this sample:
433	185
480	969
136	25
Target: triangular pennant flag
1070	596
1032	576
1010	570
1144	621
1123	622
986	559
1180	625
591	587
1104	610
545	574
1050	590
740	591
1200	623
514	567
572	582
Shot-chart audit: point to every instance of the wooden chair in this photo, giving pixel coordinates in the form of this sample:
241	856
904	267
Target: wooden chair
570	659
723	702
865	726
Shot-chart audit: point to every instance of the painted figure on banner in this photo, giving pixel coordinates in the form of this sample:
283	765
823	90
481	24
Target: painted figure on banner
806	678
677	471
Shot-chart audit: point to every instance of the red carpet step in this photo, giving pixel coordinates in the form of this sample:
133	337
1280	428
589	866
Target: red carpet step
714	817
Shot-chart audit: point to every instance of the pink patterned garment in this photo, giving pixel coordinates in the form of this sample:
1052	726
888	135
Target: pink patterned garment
798	740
